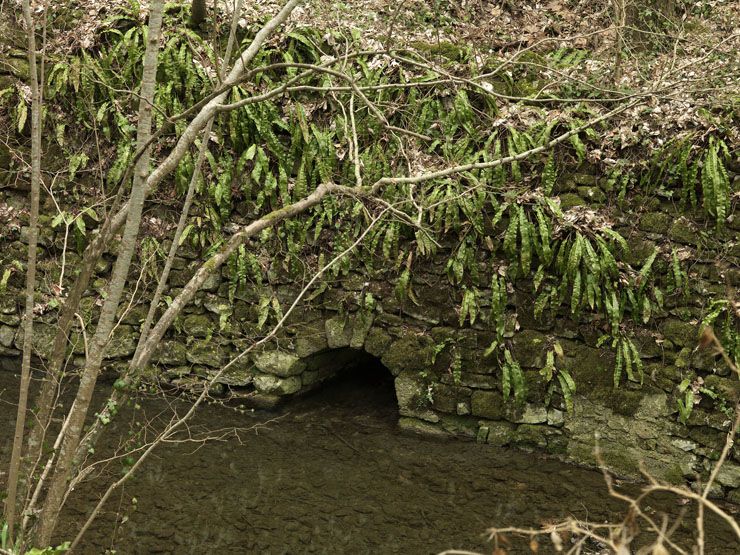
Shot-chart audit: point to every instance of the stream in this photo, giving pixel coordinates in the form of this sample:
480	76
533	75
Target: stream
328	473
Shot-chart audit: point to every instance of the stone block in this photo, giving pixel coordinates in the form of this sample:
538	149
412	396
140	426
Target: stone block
279	363
411	393
205	353
267	383
338	332
7	334
170	353
488	404
377	342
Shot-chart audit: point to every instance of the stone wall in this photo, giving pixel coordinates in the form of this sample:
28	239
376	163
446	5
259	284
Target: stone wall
420	344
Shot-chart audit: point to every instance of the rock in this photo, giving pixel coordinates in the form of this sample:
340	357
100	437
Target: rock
570	200
133	316
500	434
416	426
653	407
482	435
198	325
219	306
681	333
448	397
43	339
205	353
412	352
267	383
338	332
682	231
532	414
8	304
310	339
12	320
170	353
555	418
279	363
533	436
488	404
377	342
7	334
363	321
211	283
591	194
529	348
729	475
122	344
411	393
655	222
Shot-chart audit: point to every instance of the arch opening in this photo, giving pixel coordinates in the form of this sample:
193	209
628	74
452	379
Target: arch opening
353	377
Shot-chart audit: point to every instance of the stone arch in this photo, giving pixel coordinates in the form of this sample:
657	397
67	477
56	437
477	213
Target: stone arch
324	348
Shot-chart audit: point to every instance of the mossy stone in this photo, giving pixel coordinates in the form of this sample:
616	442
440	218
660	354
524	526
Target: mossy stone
7	334
377	341
570	200
170	353
338	332
274	385
198	325
682	231
529	348
279	363
412	352
655	222
681	333
205	353
488	404
420	427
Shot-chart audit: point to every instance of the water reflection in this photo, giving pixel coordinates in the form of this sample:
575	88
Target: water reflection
331	474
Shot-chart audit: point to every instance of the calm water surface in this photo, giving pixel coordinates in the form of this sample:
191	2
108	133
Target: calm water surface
330	473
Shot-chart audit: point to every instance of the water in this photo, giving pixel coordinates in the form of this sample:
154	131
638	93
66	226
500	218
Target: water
330	474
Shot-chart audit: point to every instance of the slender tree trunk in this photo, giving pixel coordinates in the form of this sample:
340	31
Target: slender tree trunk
162	283
198	13
78	413
11	501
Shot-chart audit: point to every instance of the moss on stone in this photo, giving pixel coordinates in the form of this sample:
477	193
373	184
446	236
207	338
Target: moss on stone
680	333
655	222
420	427
529	348
205	353
198	325
274	385
570	200
488	404
412	352
338	332
170	353
377	341
279	363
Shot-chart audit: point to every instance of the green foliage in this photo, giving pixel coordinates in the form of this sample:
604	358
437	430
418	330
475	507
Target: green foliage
723	316
564	379
270	154
512	379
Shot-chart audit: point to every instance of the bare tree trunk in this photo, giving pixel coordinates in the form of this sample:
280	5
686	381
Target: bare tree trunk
78	412
620	19
11	501
198	13
162	283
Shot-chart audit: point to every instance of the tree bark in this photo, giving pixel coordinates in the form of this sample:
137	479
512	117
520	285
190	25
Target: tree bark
11	501
78	412
198	13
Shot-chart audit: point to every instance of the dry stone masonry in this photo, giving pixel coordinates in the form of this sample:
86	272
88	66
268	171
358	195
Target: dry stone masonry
445	385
